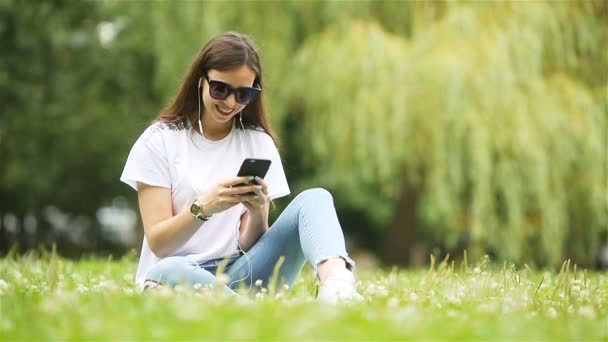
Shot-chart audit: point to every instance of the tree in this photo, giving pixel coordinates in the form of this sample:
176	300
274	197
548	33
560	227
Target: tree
69	100
486	118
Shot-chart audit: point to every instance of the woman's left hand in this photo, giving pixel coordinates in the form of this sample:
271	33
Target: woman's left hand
258	206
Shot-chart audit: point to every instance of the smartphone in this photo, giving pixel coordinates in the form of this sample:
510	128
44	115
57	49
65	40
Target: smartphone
254	167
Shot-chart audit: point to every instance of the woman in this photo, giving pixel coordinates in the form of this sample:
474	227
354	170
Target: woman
196	213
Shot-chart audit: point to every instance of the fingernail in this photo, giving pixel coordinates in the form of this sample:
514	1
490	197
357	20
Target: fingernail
252	178
257	178
259	187
256	197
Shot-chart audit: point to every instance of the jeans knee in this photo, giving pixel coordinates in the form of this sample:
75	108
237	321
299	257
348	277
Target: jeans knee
316	194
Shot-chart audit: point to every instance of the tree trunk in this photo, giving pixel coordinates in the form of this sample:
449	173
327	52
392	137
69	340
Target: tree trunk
401	237
3	237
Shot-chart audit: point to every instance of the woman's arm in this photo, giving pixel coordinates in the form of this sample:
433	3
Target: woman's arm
254	222
252	229
165	233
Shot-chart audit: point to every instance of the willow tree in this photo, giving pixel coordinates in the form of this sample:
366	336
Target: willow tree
487	126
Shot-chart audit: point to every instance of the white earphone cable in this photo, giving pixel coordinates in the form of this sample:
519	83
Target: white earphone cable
198	96
241	120
249	266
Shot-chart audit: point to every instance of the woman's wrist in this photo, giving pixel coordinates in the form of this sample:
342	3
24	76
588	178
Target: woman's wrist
198	211
258	218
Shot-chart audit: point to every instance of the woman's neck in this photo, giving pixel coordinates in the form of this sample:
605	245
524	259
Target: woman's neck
214	130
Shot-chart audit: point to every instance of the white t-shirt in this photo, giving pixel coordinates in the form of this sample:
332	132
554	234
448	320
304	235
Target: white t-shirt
175	157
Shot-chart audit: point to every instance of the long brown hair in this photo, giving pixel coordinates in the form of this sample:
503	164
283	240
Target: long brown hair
227	51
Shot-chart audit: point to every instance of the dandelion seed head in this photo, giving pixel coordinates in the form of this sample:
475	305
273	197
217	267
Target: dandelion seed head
587	312
393	302
452	313
128	290
4	286
81	288
488	308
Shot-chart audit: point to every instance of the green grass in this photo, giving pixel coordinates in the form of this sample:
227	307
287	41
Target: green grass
52	298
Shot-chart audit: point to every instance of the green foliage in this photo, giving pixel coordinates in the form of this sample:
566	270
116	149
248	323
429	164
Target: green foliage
494	113
279	38
69	101
350	127
487	112
96	299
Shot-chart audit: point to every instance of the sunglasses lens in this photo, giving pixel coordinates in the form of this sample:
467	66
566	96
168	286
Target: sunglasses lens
245	96
219	90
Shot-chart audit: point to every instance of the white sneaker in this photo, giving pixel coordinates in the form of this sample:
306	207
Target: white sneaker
339	287
151	284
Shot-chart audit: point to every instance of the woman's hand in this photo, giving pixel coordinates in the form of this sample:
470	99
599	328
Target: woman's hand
226	194
257	206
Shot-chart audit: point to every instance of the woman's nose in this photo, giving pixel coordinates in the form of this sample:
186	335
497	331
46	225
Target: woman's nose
230	101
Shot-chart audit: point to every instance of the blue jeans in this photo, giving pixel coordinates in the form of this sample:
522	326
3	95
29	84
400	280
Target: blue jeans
308	230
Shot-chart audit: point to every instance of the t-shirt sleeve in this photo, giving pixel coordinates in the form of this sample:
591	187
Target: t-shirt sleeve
277	182
147	162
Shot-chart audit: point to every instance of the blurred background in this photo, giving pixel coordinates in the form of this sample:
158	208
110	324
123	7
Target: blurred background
438	126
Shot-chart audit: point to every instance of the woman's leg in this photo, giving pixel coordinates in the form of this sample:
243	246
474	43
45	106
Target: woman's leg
308	230
180	270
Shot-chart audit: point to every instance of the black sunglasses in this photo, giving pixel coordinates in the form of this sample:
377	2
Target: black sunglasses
220	91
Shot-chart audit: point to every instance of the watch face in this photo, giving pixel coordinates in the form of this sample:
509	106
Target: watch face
195	209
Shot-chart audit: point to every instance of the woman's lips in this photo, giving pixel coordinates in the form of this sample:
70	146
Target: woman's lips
223	112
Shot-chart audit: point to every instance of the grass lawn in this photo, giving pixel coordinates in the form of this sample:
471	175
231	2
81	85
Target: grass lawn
52	298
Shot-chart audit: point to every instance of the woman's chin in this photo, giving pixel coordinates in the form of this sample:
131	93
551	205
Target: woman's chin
219	118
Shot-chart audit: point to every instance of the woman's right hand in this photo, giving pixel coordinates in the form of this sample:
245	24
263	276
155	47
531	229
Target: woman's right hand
225	194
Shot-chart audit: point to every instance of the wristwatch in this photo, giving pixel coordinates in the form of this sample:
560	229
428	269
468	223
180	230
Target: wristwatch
196	209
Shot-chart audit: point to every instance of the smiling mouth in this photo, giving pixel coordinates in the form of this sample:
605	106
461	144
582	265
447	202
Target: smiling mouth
223	112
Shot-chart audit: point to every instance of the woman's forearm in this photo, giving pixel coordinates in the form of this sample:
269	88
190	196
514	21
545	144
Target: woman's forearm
252	229
167	236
